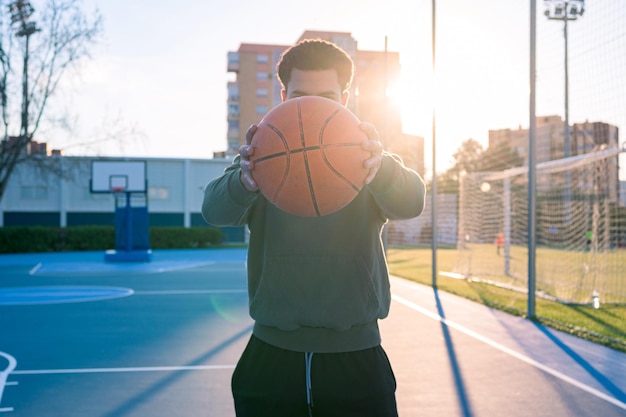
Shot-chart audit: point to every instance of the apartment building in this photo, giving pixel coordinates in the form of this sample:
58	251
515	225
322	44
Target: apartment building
585	137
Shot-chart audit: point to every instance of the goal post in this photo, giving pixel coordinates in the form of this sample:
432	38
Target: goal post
580	228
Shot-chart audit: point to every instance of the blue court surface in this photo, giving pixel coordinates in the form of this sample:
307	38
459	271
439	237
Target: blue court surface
80	337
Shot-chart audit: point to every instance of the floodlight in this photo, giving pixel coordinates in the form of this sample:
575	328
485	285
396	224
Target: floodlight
564	9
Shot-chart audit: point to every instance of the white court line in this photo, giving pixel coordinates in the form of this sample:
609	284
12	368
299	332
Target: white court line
4	374
6	409
119	370
177	292
36	268
511	352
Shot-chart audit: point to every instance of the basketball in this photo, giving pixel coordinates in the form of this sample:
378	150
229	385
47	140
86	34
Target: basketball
308	159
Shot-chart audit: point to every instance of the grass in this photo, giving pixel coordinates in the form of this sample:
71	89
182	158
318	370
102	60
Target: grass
606	326
565	274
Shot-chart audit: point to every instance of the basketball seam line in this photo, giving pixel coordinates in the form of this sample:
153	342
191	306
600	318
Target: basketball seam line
288	162
326	161
306	160
308	148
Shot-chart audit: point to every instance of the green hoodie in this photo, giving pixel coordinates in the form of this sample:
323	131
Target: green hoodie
318	284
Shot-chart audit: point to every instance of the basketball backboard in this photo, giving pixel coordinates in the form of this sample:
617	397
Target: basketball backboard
118	176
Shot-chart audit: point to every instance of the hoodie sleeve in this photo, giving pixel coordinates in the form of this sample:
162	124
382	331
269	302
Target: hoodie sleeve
399	191
226	201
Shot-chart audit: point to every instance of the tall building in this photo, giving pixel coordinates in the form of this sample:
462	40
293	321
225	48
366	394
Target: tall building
256	88
585	137
254	91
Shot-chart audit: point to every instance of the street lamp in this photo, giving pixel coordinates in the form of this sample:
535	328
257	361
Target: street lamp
21	11
565	10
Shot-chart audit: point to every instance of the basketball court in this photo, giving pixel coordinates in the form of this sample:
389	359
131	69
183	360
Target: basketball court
84	337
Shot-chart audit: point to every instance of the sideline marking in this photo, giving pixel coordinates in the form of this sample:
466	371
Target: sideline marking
59	294
35	268
118	370
511	352
4	374
179	292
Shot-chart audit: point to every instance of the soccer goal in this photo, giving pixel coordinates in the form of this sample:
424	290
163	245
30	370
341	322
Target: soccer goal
580	229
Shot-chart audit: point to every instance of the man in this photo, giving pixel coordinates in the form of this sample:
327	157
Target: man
317	285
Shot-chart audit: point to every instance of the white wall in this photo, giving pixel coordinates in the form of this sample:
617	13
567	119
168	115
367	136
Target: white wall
175	186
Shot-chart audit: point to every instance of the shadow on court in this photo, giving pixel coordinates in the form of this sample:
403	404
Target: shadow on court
464	403
593	372
160	387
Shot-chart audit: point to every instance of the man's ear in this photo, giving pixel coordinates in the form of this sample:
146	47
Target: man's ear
283	95
345	97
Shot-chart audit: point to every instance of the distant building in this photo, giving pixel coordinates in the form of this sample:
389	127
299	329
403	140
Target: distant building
56	192
12	144
585	138
254	92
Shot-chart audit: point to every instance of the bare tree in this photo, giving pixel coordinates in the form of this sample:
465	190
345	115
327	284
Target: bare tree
42	47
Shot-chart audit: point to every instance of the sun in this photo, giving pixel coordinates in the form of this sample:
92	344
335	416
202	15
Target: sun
413	98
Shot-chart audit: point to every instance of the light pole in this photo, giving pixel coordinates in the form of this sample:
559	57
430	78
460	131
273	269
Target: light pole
21	11
565	10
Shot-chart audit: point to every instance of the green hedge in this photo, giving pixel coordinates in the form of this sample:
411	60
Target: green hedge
180	237
23	239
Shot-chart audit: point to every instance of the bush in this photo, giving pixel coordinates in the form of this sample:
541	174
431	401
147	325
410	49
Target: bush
86	238
24	239
180	237
19	239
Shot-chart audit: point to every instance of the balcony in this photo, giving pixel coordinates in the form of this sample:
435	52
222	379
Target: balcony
233	62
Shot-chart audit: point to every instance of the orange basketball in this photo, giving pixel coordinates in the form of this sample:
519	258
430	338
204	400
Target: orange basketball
308	159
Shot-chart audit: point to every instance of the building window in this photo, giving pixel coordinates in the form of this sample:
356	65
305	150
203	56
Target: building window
262	76
233	92
261	109
261	92
33	192
233	61
158	193
233	58
261	59
233	109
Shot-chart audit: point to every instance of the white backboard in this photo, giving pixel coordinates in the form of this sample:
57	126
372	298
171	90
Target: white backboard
108	176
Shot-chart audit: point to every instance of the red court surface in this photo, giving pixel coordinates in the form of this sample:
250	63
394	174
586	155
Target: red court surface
83	338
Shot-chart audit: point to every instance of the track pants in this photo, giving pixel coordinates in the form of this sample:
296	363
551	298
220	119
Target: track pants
273	382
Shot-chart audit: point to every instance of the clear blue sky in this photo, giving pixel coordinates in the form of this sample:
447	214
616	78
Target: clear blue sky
162	66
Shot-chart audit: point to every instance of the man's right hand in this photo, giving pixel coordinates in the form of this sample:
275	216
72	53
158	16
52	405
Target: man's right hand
245	152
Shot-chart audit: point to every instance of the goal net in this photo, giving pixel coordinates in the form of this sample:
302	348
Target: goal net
580	228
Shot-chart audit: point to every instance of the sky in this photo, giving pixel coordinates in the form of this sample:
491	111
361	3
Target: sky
158	77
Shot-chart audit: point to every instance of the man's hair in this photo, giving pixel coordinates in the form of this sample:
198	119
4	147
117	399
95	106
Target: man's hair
316	55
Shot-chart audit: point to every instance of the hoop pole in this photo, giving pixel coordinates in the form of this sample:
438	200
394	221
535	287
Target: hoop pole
129	224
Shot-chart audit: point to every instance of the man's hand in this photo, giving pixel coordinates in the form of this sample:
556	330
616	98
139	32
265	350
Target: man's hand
245	152
373	146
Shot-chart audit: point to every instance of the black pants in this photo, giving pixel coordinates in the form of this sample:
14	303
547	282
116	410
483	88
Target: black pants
272	382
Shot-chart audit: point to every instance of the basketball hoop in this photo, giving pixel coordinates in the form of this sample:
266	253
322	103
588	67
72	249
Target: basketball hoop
117	190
